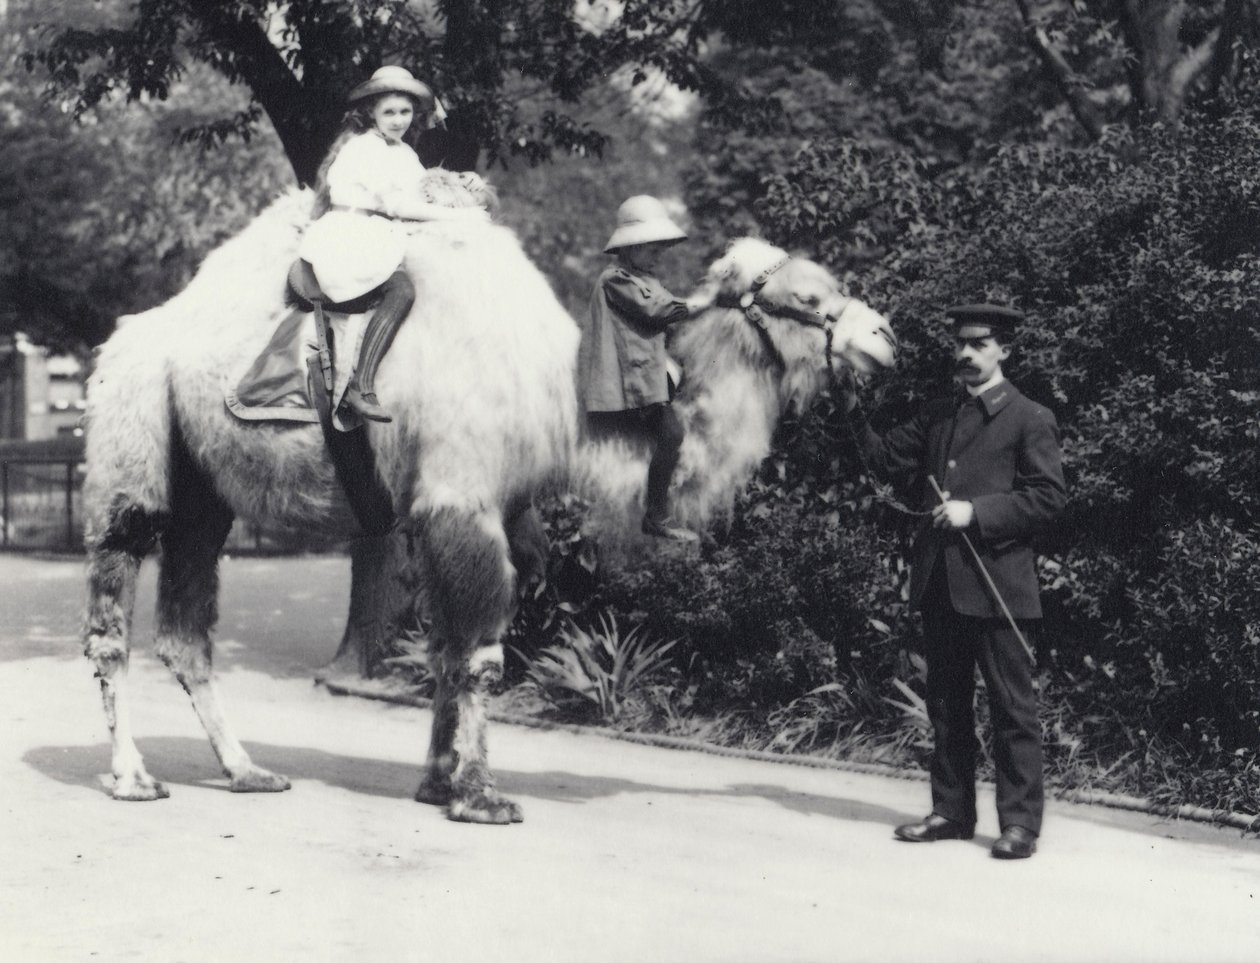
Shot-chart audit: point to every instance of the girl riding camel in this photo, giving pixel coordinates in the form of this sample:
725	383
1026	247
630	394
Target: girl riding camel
368	192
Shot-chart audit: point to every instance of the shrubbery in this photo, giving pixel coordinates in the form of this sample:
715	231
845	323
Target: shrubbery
1138	264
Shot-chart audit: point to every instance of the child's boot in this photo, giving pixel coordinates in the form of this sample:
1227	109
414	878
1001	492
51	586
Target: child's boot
398	296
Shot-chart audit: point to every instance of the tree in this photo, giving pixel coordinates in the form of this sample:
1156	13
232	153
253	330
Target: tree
298	59
110	215
1139	61
502	67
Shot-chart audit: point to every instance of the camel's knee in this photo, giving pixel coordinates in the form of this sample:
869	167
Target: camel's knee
471	578
462	671
485	666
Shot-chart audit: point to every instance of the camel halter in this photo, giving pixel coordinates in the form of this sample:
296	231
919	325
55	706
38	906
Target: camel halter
756	307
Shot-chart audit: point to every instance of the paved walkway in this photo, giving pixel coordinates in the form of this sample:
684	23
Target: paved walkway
628	853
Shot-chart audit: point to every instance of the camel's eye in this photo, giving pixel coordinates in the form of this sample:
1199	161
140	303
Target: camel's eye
809	300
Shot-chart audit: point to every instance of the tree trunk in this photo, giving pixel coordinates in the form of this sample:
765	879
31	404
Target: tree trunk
1164	72
305	119
382	606
1069	84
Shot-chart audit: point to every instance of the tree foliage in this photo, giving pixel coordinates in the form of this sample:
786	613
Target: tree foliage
298	59
1138	62
1137	262
110	214
1089	162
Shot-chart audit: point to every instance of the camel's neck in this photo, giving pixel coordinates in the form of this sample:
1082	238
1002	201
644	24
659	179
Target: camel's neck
730	407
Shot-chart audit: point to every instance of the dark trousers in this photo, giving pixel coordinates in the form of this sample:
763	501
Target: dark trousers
661	428
955	645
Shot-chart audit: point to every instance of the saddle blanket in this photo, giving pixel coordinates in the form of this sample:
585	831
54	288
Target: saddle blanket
276	386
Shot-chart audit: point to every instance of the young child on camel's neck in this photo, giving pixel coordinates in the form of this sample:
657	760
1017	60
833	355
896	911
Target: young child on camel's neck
368	190
622	363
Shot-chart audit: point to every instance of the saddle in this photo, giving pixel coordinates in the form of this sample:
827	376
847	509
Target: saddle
295	379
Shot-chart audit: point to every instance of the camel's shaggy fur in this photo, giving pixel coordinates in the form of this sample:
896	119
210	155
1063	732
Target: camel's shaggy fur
480	380
734	390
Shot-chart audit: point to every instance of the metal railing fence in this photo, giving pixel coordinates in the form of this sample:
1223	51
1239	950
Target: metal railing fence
41	504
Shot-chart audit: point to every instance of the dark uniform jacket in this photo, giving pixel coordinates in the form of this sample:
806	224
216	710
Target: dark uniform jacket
621	361
999	451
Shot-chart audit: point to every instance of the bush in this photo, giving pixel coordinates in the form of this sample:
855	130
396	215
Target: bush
1138	263
596	673
785	606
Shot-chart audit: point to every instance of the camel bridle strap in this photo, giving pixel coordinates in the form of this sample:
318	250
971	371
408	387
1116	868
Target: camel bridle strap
755	308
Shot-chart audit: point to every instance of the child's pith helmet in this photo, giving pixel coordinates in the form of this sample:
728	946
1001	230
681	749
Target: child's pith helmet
642	219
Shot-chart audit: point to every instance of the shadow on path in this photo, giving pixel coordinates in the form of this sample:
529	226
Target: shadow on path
189	762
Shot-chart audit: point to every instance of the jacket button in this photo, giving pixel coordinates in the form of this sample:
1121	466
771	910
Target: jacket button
951	463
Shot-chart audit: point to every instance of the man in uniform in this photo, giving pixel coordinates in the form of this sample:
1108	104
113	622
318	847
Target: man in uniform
995	455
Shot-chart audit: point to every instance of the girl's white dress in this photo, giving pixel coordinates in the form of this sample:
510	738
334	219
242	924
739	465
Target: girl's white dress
351	251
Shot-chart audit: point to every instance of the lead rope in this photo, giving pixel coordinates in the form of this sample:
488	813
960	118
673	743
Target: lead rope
883	492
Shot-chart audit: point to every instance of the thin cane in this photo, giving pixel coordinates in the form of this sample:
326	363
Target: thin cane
988	579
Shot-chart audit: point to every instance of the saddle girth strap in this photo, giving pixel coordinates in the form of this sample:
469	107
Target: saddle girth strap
353	463
325	352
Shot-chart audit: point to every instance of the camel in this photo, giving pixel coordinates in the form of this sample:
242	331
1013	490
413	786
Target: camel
481	381
781	328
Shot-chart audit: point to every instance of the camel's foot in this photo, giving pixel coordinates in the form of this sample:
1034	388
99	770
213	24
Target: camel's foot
138	787
484	807
254	779
434	790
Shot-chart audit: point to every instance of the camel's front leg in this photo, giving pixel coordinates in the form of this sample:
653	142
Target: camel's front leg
458	775
471	584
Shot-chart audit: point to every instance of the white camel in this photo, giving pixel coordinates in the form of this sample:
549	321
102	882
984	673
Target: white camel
780	330
480	378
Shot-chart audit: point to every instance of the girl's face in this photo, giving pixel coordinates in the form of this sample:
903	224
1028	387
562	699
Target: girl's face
392	115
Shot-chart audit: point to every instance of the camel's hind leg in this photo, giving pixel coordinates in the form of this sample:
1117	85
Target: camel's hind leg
187	609
115	551
471	585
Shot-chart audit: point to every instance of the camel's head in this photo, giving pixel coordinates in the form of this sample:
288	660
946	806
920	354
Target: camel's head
800	310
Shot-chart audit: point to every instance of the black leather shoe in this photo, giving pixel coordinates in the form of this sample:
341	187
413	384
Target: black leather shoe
933	829
1016	842
365	404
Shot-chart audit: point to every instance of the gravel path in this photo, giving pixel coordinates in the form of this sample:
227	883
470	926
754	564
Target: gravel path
628	853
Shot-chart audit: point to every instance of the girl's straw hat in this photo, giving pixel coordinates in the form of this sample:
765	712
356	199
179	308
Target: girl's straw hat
392	80
642	219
